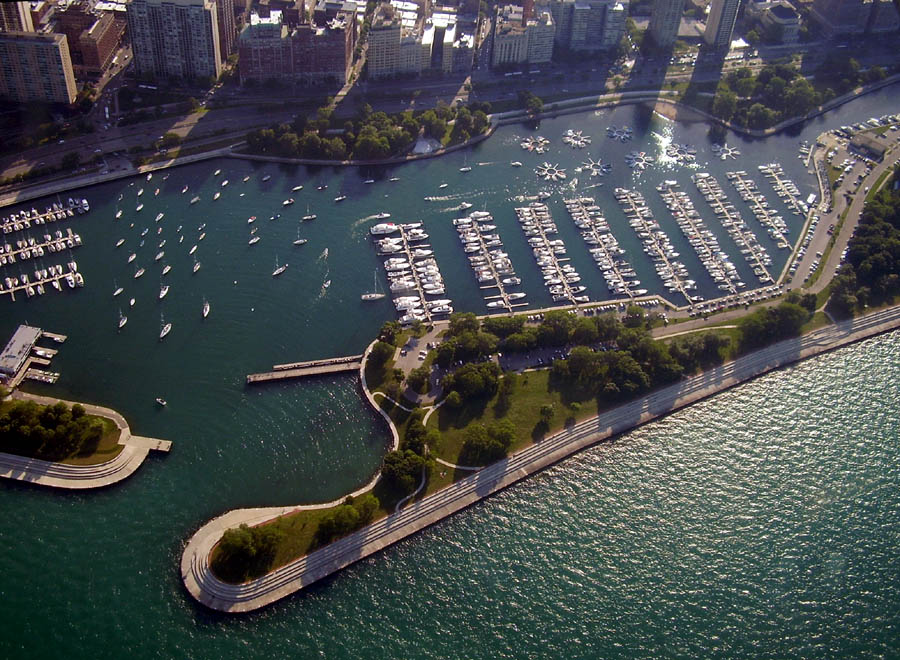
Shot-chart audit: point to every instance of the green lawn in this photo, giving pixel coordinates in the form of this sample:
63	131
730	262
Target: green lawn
532	391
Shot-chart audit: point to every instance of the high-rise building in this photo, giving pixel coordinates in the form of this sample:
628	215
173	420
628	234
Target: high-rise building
93	38
587	25
383	52
883	18
15	17
841	18
225	21
665	18
175	38
306	53
36	67
720	24
517	41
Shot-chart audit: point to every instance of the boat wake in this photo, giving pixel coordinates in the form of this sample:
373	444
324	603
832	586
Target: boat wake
363	221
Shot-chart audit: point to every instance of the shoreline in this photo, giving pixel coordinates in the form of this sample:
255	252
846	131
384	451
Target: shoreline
81	477
29	192
204	587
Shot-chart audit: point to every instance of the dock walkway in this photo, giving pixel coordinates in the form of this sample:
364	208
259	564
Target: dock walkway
311	368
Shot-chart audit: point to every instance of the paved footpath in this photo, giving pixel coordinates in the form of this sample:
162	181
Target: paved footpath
79	477
212	592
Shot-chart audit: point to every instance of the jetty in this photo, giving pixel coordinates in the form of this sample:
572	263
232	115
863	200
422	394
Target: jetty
559	277
310	368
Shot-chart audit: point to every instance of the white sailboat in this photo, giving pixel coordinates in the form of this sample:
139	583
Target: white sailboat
377	294
299	241
122	319
278	269
165	328
205	308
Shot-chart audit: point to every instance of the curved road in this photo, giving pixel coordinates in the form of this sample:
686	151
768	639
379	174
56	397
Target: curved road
212	592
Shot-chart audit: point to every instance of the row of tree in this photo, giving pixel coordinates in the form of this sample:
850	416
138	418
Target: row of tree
870	275
368	136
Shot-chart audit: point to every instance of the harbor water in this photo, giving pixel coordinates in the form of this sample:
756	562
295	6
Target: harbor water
761	522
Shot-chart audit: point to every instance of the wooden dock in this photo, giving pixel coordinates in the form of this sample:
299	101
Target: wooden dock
311	368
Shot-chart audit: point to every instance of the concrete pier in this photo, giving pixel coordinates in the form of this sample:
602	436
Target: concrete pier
311	368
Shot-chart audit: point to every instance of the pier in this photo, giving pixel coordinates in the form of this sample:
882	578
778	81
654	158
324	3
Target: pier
604	247
537	224
701	239
734	224
25	218
656	243
784	188
32	249
311	368
52	275
490	264
750	193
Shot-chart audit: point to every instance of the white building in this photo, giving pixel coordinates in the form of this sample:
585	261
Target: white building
520	42
175	38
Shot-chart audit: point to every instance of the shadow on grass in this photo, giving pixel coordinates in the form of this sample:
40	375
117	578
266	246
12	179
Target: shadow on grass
458	418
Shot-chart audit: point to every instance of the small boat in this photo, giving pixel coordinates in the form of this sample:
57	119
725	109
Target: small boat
138	273
516	163
296	188
120	242
267	177
322	186
139	207
368	181
165	329
118	290
377	294
225	183
288	201
163	291
205	308
299	241
278	269
217	195
465	169
184	190
201	236
194	200
443	185
131	303
246	178
159	216
140	192
160	255
166	269
253	240
159	399
145	231
251	219
217	172
149	175
193	249
394	178
196	266
340	198
118	214
308	216
132	257
326	284
156	192
383	216
122	320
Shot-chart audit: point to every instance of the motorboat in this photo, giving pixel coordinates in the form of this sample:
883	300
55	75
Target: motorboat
296	188
205	308
288	201
160	400
163	291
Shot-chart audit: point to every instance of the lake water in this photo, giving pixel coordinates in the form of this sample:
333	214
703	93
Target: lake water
762	522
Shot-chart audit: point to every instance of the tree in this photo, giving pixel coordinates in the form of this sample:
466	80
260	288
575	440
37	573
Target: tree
403	470
547	413
381	352
389	331
70	161
724	103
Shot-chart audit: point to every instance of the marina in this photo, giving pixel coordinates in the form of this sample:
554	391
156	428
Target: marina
767	217
415	281
560	277
730	218
490	264
657	244
785	188
704	242
621	278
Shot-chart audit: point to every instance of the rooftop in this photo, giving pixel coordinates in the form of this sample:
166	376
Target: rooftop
18	348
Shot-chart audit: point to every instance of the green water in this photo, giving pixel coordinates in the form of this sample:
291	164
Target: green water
763	522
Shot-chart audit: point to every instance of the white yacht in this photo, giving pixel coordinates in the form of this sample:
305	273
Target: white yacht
205	308
278	269
163	291
383	228
377	294
164	330
308	216
120	242
122	320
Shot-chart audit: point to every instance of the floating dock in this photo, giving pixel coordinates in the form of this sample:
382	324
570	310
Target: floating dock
311	368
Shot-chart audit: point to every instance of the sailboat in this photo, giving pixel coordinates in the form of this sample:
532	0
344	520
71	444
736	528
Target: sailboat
374	295
118	289
205	308
196	265
122	319
299	241
278	269
165	329
308	216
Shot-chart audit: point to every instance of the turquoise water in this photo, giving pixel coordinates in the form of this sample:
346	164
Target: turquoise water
762	522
